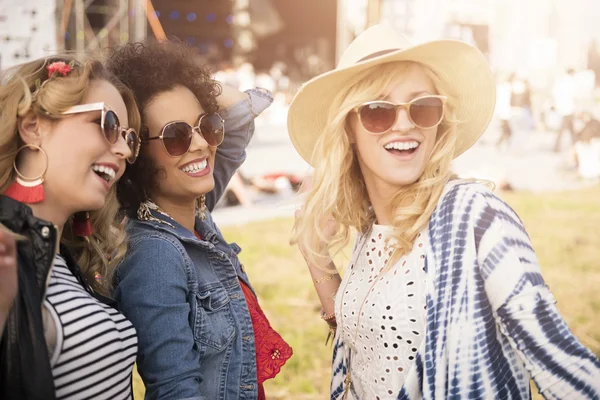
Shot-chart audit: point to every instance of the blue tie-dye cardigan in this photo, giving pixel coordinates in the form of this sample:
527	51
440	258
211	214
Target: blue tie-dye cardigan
492	323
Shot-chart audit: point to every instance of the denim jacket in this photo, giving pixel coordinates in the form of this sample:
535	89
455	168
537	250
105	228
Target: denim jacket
183	294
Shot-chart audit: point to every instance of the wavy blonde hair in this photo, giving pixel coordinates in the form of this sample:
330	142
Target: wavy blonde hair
27	88
338	189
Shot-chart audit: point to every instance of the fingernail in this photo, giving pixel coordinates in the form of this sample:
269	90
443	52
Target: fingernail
7	260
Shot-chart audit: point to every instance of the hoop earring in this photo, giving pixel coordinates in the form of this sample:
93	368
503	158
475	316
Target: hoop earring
24	189
201	207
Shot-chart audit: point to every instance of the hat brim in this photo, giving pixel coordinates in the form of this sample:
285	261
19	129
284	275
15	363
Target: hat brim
461	66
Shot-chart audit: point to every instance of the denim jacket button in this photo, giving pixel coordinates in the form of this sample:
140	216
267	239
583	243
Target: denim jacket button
247	338
243	268
247	387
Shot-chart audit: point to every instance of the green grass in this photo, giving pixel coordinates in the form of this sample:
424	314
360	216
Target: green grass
564	230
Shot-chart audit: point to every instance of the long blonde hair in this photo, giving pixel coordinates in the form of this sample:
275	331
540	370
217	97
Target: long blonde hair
338	189
27	88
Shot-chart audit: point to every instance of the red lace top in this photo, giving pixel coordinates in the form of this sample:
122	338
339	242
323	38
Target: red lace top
272	351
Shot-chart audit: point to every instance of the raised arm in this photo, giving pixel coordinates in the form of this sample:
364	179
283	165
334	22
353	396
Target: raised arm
238	110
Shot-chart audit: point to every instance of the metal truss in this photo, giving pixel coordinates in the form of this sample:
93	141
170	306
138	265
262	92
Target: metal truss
122	21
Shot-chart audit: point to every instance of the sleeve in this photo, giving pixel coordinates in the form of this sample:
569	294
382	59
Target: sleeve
152	292
239	129
524	308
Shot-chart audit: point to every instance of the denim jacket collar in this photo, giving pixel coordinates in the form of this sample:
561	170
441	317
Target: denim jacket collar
204	228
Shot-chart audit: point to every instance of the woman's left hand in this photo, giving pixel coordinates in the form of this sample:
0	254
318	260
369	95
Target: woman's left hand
229	96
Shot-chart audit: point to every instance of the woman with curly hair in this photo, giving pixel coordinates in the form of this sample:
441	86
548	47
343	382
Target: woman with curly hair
202	332
67	130
443	297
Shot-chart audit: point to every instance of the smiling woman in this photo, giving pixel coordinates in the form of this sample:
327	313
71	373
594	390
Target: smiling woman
203	334
443	276
67	130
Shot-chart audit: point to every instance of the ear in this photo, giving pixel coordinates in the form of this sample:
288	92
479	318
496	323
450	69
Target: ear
29	129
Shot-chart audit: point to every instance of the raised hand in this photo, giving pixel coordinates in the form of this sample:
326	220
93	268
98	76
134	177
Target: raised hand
8	273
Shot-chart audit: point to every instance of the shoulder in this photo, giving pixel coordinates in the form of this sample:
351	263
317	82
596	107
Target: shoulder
472	207
472	203
469	197
459	190
153	250
144	234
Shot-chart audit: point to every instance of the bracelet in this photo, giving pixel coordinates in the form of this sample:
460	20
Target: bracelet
326	317
325	278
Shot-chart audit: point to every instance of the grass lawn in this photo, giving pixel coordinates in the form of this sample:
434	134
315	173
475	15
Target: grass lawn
564	228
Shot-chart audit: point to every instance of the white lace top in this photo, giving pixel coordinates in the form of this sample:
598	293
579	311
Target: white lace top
392	319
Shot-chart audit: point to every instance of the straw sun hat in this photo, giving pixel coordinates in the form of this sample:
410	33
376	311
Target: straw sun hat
461	66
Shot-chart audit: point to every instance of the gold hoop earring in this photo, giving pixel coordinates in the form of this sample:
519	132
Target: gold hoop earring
24	180
25	189
201	207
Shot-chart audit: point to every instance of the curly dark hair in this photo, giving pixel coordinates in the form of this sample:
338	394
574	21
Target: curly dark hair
150	68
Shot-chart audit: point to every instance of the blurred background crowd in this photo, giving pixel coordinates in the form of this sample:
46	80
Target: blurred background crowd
545	55
543	145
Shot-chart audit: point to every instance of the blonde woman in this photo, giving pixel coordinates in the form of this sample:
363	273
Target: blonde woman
443	297
67	130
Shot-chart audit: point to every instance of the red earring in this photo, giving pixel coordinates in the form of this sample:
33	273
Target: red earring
82	225
24	189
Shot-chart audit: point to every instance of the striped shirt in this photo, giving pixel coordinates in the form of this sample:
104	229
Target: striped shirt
492	323
95	345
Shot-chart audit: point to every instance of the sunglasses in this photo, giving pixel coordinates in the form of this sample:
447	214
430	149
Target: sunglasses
380	116
177	136
111	127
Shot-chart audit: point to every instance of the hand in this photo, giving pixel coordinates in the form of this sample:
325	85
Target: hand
229	96
8	271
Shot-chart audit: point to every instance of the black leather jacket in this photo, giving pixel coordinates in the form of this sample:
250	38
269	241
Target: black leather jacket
25	371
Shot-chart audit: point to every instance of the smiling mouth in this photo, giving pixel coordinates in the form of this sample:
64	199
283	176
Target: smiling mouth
195	167
106	173
402	148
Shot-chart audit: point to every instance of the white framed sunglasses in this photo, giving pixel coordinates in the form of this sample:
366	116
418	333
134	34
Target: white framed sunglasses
111	127
380	116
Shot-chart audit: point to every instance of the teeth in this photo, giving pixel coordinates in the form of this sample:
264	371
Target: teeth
195	167
109	172
402	145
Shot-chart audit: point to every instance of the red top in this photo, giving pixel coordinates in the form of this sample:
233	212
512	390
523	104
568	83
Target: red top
271	350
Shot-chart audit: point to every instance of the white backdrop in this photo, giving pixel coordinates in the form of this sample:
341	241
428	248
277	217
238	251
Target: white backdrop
27	30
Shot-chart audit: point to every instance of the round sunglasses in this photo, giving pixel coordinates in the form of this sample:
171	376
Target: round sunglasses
379	116
111	127
177	136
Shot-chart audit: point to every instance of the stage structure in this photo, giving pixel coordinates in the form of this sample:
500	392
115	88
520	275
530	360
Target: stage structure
87	26
30	29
